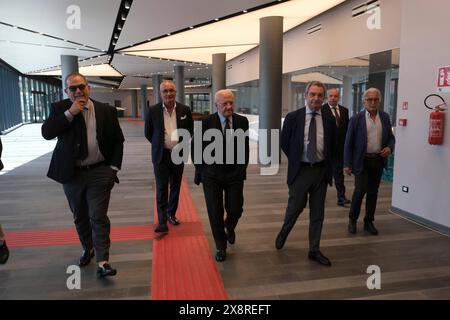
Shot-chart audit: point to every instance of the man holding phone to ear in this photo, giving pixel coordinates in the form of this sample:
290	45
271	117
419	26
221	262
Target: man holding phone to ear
86	159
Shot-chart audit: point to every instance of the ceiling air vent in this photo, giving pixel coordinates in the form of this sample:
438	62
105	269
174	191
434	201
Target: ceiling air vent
242	60
365	7
314	29
229	67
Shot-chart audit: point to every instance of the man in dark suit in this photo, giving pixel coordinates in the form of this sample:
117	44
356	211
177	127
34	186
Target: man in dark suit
162	123
224	176
4	251
308	140
340	114
86	159
368	143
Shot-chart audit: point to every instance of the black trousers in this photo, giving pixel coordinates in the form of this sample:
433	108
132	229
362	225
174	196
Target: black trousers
223	195
368	183
310	181
88	193
338	176
168	176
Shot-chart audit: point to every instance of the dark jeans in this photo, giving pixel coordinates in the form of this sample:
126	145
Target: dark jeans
367	182
310	180
168	175
88	193
216	190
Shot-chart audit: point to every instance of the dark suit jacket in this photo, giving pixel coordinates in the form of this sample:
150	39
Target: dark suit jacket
341	130
233	172
292	138
356	140
109	136
154	126
1	149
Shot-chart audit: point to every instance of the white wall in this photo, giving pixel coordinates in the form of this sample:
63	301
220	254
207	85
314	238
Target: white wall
341	38
425	169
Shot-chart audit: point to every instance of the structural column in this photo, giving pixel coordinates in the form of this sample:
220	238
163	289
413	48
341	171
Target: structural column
69	64
156	80
218	76
270	80
143	101
346	94
179	83
378	64
134	112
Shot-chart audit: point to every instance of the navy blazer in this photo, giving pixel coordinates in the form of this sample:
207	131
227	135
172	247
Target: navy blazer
154	126
233	172
292	140
109	136
342	130
356	140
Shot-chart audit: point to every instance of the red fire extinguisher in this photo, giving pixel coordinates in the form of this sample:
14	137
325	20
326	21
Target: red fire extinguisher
437	121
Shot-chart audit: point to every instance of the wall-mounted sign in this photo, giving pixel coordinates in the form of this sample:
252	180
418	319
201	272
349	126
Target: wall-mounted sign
443	83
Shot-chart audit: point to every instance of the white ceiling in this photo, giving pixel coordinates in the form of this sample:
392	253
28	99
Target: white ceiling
38	49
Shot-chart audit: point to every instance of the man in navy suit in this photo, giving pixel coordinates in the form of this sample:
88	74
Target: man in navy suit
224	179
340	113
161	124
86	159
308	140
368	143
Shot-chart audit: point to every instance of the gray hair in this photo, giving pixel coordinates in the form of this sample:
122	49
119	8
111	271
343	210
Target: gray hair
372	90
317	84
167	81
74	74
222	91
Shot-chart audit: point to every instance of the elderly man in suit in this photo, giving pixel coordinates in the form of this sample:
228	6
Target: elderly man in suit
86	159
368	143
340	113
308	140
161	124
224	177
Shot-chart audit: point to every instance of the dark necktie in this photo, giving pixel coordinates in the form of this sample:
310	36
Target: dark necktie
227	125
311	151
336	115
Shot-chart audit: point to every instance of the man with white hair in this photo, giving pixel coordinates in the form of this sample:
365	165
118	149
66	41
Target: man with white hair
368	143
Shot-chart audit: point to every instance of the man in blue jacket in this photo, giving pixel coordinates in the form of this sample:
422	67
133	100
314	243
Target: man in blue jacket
368	143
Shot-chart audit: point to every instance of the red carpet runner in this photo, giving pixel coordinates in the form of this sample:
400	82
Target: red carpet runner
183	266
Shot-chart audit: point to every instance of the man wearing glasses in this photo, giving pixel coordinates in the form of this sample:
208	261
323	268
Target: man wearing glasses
162	122
86	159
368	143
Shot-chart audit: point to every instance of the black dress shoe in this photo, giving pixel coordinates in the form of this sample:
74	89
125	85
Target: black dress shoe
162	228
343	201
4	253
370	228
86	257
351	226
231	236
281	239
173	220
105	271
221	255
319	258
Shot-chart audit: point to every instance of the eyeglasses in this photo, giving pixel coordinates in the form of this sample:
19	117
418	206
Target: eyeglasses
74	88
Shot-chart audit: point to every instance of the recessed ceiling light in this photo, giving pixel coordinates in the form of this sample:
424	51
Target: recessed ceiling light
191	27
124	16
245	11
216	19
119	27
127	5
168	34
